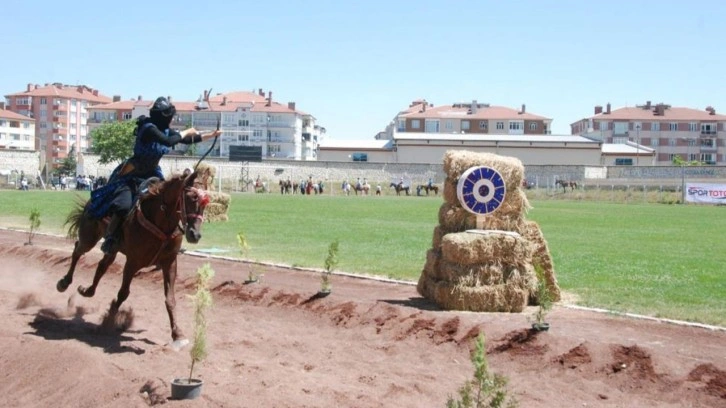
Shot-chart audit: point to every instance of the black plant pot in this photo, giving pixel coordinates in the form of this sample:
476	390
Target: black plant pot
183	388
540	326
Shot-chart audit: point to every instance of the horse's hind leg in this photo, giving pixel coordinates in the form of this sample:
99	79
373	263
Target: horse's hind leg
100	271
78	250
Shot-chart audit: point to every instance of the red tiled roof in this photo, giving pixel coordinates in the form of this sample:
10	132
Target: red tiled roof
239	96
6	114
669	115
449	111
120	105
80	92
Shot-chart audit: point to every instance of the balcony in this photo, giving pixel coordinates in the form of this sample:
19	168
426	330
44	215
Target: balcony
60	119
708	132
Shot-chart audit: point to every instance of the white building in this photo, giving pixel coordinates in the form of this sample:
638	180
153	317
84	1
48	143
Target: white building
16	131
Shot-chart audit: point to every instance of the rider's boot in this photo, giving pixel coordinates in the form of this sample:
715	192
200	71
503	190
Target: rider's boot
112	240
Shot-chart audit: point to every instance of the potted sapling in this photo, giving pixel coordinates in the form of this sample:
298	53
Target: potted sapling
244	248
190	387
331	261
544	299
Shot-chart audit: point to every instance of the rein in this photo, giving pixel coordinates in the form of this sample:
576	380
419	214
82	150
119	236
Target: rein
179	208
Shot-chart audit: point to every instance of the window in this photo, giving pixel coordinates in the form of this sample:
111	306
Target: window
671	142
654	142
22	101
449	125
623	162
693	127
465	125
359	157
707	158
43	113
708	142
43	125
500	125
401	125
243	122
603	126
415	124
673	126
257	134
243	138
620	140
127	115
432	126
655	126
708	128
43	101
3	123
620	128
483	124
533	126
516	125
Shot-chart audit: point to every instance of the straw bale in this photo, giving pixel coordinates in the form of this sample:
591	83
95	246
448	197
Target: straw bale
456	162
215	212
431	267
486	274
219	198
541	256
454	218
469	249
496	298
438	234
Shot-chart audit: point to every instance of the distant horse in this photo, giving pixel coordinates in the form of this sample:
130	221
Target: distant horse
285	186
362	188
400	187
152	232
564	184
427	188
346	188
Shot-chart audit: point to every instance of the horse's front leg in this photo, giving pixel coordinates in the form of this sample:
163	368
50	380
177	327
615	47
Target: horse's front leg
101	269
169	272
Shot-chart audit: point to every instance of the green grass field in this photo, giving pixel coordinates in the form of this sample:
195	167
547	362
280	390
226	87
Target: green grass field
653	259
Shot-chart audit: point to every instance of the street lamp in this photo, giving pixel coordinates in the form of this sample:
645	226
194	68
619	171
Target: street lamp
637	151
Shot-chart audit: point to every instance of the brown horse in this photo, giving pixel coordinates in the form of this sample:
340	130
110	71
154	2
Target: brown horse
564	184
427	188
400	187
152	234
362	188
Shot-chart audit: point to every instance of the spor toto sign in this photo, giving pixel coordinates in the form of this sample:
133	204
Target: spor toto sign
706	193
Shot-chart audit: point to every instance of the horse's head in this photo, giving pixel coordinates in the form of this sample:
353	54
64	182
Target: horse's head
194	201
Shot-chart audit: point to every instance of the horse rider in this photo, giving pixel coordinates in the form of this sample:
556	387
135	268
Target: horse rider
154	138
431	182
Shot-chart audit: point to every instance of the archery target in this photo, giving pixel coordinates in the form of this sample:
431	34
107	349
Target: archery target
481	190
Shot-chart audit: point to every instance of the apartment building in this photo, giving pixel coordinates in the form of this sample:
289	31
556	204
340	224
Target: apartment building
466	118
245	118
16	131
691	134
60	112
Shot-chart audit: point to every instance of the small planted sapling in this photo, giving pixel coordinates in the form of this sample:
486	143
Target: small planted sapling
244	248
34	225
331	261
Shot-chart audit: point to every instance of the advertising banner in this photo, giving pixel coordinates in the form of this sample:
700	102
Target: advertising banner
706	193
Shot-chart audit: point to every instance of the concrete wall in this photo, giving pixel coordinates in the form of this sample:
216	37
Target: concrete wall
232	176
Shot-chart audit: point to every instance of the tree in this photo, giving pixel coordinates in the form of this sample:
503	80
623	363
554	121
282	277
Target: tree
113	141
69	164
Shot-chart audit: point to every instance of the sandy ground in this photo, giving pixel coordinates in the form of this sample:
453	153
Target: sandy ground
274	344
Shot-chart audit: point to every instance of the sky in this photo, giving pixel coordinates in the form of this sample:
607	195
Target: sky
355	64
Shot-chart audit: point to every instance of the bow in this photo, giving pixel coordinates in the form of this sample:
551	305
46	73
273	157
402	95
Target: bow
215	137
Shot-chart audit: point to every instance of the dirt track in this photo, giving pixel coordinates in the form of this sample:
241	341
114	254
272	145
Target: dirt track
369	344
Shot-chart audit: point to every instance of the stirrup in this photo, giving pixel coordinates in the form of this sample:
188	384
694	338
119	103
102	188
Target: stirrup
109	245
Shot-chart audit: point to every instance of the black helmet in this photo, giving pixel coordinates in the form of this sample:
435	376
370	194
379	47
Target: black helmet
163	106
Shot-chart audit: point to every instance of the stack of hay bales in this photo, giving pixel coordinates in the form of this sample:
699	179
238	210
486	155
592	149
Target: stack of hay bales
492	271
218	202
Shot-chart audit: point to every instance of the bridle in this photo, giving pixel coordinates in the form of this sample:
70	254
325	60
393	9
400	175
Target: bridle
185	219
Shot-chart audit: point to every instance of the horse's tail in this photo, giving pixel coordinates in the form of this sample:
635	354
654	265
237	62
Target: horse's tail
73	220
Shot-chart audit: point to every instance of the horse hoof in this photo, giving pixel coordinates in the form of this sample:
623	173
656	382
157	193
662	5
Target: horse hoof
62	285
86	292
177	345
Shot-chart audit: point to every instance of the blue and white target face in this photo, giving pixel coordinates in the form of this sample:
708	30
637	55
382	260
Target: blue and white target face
481	190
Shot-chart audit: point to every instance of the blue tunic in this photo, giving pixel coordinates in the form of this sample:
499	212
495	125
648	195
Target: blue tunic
132	172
